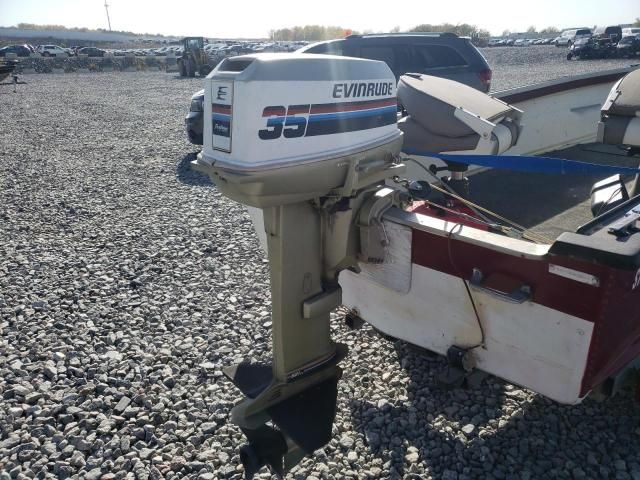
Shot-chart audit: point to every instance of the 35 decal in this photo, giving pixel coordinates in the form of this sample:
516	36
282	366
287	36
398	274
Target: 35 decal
284	121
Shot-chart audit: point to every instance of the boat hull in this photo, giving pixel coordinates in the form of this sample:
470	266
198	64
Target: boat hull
579	327
437	314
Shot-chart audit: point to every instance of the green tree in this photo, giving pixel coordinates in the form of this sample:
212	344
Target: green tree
479	36
550	30
637	22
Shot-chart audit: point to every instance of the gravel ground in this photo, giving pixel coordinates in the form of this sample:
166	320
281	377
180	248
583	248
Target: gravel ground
516	66
127	282
72	64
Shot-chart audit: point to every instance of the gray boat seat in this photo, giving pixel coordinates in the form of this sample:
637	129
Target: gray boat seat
620	114
417	137
447	116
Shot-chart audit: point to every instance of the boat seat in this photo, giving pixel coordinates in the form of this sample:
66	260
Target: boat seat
447	116
620	114
419	138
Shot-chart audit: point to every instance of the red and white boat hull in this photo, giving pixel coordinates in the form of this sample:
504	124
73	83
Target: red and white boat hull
560	343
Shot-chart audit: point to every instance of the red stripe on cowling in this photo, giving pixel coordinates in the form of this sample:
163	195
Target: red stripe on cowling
218	108
298	109
352	106
271	111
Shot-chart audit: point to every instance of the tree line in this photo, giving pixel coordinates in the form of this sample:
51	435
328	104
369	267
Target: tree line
320	32
62	28
309	32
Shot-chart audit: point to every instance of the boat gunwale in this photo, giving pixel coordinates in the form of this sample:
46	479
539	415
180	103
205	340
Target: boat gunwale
562	84
493	241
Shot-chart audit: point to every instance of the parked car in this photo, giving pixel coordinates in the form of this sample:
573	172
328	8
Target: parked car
629	46
592	47
91	51
614	32
52	51
630	31
19	50
568	37
440	54
194	119
231	50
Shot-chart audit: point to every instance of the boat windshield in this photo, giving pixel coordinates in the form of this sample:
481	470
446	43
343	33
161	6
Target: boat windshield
582	40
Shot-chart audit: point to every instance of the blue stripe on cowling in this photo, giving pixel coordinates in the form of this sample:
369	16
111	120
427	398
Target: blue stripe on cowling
222	117
517	163
354	114
342	125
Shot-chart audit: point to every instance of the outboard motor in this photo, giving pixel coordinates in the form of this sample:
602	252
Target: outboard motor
310	140
619	125
447	116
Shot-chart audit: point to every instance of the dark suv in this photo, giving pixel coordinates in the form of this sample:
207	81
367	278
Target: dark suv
19	50
439	54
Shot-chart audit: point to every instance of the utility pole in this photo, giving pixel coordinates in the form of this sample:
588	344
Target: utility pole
106	7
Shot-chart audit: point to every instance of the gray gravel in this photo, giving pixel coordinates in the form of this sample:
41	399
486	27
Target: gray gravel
127	282
93	64
516	66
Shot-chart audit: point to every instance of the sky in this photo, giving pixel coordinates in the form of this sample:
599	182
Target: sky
254	18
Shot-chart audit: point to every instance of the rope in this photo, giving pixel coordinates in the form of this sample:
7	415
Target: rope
525	164
524	232
466	286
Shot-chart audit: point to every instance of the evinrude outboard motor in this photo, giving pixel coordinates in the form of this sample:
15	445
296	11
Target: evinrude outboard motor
310	139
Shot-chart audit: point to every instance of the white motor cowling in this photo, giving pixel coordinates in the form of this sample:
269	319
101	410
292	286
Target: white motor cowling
283	128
